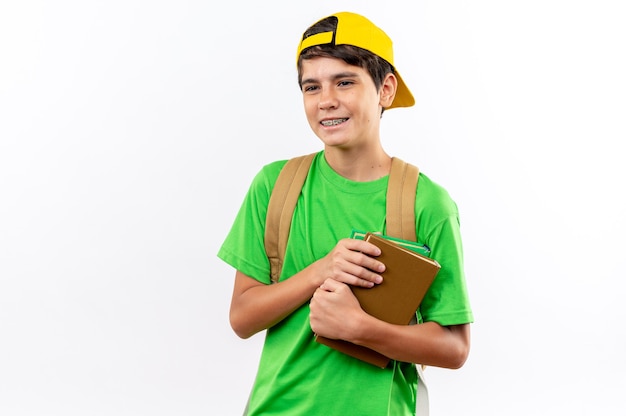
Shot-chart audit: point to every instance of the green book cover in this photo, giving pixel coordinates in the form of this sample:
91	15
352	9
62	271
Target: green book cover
420	248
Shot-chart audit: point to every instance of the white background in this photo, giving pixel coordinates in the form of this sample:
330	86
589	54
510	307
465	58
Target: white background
129	133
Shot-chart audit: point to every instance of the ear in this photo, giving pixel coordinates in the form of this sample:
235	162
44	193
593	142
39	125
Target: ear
388	90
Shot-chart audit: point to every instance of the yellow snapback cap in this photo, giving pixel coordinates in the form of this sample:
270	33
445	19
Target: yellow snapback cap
356	30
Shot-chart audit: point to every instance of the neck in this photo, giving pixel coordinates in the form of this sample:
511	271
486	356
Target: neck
359	166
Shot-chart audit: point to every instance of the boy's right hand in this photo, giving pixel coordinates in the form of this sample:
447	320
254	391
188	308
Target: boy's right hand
353	262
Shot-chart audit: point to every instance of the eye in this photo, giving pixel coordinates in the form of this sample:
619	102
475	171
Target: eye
309	88
345	83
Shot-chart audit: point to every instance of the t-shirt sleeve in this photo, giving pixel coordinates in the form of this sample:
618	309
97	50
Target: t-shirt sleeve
447	300
244	246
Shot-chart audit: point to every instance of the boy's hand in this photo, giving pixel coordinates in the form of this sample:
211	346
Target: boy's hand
333	310
353	262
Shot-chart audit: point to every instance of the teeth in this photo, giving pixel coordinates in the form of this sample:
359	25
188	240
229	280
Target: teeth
333	122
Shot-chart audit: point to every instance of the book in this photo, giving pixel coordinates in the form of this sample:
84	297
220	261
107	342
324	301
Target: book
406	279
411	245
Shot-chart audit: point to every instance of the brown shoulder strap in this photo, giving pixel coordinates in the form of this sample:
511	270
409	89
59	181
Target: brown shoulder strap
401	200
400	219
400	206
280	210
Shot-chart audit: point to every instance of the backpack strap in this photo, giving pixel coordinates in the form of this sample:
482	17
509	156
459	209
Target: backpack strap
400	205
280	210
401	200
400	219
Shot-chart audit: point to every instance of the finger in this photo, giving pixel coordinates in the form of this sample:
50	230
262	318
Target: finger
361	246
368	262
330	285
364	267
359	276
358	252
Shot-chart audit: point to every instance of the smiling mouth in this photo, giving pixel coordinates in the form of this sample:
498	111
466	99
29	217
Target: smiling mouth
333	122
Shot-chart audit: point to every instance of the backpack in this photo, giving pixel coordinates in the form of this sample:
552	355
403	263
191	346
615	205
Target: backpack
400	205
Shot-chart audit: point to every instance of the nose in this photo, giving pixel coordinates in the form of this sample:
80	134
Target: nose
328	99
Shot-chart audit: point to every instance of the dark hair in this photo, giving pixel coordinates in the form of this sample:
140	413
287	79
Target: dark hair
377	67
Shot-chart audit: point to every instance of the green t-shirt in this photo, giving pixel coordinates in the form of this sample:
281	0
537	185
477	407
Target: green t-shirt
298	376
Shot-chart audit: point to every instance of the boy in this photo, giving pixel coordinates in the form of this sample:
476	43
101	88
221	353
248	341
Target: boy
347	78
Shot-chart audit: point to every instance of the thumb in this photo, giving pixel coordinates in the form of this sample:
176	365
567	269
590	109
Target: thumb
329	285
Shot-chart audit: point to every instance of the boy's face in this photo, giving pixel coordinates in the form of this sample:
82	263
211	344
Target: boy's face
341	102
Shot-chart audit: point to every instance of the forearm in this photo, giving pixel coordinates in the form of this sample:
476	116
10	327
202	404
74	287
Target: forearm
256	306
428	343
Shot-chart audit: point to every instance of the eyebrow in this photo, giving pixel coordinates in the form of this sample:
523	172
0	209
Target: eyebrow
335	77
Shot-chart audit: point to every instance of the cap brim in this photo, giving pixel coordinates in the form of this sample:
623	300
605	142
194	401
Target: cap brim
403	97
